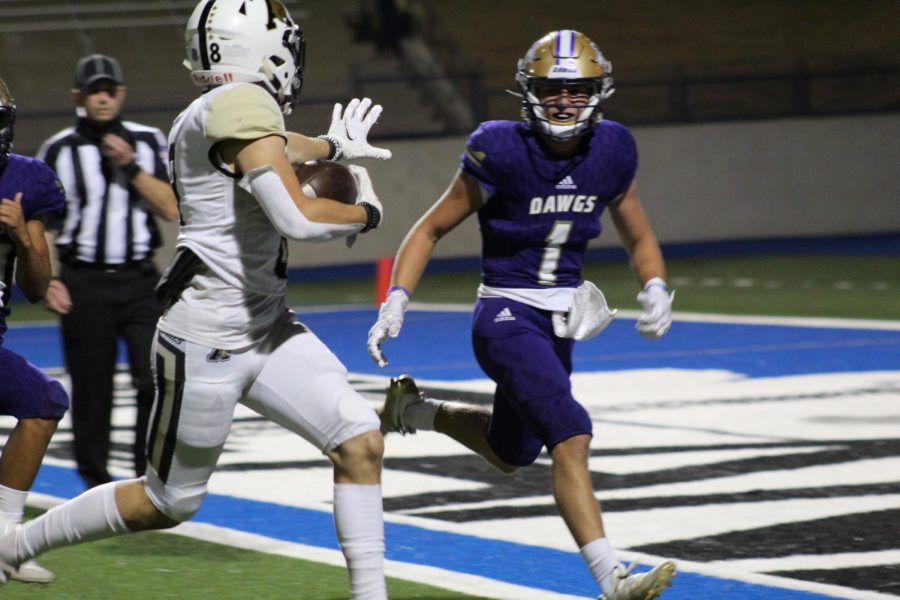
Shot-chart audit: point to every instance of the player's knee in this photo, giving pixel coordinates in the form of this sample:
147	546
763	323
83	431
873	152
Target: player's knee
509	458
503	467
574	450
358	459
137	509
507	468
52	403
366	448
176	504
183	509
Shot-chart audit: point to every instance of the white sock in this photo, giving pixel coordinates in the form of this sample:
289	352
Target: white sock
359	523
420	416
12	504
91	516
602	561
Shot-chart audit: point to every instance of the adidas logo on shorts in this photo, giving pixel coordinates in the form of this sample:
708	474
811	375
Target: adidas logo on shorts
504	315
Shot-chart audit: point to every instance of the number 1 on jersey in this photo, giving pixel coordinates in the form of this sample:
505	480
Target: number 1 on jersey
558	236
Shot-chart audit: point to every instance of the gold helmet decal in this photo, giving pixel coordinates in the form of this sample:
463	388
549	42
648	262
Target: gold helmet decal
278	11
563	58
565	54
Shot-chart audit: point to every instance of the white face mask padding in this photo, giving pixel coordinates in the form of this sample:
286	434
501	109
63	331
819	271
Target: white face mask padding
266	186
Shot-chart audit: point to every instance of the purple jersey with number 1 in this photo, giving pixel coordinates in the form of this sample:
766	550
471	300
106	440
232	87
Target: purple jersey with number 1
539	215
541	211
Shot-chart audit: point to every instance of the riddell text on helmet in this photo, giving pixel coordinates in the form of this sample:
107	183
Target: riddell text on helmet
208	78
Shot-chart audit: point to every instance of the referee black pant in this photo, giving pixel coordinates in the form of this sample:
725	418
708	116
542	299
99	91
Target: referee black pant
107	305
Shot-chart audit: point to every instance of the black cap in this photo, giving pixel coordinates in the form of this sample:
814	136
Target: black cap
95	67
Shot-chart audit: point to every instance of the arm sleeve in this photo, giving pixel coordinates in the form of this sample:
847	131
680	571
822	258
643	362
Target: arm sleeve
266	186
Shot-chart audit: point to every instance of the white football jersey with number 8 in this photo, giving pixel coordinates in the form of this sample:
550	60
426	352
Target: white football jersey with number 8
241	292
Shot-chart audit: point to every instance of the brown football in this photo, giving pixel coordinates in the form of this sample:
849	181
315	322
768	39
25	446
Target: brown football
327	179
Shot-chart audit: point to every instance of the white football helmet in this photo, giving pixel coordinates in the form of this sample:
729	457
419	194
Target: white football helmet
563	58
246	40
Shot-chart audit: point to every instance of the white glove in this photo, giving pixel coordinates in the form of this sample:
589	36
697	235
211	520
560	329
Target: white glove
349	129
588	315
390	320
364	190
657	303
365	193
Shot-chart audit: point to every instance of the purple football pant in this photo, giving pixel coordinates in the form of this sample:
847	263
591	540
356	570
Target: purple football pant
26	392
533	404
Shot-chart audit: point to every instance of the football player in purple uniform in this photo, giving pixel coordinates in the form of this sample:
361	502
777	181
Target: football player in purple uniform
538	188
30	191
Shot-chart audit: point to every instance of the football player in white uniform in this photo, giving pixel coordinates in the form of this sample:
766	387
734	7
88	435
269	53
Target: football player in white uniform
227	335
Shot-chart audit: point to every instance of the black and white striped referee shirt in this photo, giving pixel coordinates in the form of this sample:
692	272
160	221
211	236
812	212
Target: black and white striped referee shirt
106	222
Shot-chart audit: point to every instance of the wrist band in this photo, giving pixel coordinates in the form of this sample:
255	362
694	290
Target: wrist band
400	288
334	147
131	169
373	217
656	281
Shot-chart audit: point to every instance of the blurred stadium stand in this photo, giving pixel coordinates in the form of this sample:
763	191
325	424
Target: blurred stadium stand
699	60
440	66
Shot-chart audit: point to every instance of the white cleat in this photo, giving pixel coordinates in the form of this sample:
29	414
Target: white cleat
401	393
7	537
31	572
640	586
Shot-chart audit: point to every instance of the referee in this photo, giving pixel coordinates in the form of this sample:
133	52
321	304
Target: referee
116	183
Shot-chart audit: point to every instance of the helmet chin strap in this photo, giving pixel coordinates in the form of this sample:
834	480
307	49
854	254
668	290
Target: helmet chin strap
543	123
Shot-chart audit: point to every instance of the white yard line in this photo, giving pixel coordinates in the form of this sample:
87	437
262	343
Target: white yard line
631	314
442	578
717	318
726	572
482	586
817	562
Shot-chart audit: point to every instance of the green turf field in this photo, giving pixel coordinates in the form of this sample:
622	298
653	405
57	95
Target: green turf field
157	565
809	286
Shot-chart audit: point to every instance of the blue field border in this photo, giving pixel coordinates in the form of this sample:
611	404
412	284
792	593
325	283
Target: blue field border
519	564
748	349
